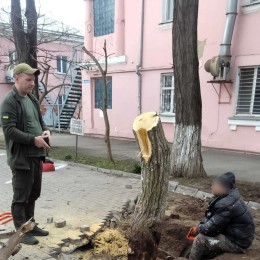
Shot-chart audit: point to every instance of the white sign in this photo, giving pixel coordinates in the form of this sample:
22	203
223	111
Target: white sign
77	126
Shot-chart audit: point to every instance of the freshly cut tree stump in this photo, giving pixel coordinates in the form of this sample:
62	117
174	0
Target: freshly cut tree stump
12	246
145	231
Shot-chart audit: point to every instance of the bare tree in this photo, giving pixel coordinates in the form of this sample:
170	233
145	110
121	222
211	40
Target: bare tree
145	231
103	72
25	39
186	151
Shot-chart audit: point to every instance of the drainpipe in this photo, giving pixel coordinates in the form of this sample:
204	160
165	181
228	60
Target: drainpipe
140	60
219	66
225	46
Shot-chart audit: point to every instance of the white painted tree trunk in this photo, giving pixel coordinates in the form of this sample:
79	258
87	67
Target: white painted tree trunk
186	152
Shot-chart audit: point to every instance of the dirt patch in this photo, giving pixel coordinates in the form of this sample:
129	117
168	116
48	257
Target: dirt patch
249	191
182	213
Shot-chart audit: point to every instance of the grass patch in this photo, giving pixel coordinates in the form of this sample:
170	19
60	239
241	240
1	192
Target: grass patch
68	154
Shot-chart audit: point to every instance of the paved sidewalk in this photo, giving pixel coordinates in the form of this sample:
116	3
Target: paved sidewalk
216	162
73	193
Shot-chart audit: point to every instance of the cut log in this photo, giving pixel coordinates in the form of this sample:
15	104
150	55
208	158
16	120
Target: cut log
12	246
145	230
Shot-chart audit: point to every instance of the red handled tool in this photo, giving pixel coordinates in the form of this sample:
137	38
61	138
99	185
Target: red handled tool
5	217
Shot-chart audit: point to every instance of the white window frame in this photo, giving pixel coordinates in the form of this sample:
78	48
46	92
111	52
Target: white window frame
249	120
60	58
167	116
250	114
167	14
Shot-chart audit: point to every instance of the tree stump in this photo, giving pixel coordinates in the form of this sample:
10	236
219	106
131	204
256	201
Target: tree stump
145	231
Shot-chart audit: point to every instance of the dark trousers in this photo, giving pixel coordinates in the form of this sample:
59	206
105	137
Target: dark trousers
27	189
205	247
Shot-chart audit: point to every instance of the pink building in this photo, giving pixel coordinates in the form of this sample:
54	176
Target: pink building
60	52
138	35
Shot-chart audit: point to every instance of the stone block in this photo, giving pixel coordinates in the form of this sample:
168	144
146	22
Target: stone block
90	234
128	186
74	240
60	223
84	228
172	185
55	248
253	205
203	195
107	171
50	220
186	190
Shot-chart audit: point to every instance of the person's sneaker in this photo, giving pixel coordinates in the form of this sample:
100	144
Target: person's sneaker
29	239
39	232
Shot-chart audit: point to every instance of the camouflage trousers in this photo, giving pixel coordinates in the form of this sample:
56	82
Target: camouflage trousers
205	247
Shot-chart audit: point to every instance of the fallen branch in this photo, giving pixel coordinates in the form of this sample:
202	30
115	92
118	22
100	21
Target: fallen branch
12	246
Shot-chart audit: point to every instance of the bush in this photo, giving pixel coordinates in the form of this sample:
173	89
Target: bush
68	157
137	168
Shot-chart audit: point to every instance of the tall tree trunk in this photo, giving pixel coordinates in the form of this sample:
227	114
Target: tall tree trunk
19	34
104	107
145	232
186	152
31	17
104	101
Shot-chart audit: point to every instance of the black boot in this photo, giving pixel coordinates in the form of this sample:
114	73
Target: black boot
29	239
39	232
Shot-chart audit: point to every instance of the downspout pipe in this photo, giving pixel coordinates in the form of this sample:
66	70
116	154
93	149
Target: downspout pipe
140	59
225	46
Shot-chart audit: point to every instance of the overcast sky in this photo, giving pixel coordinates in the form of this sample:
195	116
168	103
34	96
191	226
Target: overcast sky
67	11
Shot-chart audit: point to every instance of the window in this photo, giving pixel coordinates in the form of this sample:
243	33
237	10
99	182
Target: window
62	64
99	93
168	6
248	102
13	57
104	16
167	94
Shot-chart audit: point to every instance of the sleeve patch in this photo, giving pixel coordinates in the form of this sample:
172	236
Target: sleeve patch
5	116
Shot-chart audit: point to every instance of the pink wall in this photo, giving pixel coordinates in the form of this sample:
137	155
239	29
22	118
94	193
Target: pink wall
157	59
53	48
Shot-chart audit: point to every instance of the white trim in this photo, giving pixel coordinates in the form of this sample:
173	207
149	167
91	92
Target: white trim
165	25
111	61
250	8
167	119
233	123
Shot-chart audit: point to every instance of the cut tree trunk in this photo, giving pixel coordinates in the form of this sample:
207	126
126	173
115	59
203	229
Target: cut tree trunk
12	246
186	151
145	231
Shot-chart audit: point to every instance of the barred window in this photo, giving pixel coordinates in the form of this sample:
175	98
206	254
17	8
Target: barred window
167	94
104	16
99	93
248	102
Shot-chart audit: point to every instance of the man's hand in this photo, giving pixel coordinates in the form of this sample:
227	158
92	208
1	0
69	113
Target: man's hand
48	135
40	142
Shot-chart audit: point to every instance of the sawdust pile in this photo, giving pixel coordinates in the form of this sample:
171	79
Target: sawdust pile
110	242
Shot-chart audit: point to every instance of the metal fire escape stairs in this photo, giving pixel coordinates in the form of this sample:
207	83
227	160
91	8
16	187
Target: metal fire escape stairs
47	97
71	102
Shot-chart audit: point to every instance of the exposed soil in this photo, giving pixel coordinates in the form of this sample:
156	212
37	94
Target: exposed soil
249	191
182	212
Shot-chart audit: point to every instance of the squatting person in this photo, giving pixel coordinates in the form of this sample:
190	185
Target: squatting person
228	226
25	136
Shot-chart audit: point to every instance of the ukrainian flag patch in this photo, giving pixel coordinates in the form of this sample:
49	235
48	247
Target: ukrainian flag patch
5	116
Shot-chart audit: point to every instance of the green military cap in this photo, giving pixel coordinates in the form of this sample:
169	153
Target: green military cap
25	68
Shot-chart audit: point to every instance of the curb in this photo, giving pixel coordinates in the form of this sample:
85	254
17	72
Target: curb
173	185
